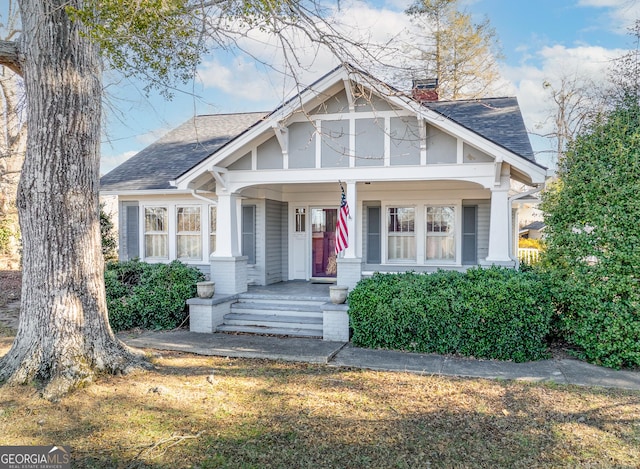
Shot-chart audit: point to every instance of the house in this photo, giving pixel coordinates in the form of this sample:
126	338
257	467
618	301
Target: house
533	230
252	198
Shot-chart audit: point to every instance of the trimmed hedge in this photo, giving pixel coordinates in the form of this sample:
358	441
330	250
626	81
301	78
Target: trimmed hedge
149	296
494	313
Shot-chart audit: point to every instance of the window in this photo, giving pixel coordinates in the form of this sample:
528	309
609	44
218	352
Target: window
155	232
301	220
189	242
401	237
213	227
249	233
441	238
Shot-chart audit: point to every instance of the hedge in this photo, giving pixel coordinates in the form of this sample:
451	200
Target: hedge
494	313
149	296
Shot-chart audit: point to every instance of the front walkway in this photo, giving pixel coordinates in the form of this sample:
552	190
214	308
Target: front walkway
562	371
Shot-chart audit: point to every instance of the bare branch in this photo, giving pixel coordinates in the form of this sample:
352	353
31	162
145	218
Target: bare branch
10	57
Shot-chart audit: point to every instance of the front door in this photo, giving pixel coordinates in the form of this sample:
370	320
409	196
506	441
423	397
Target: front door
323	242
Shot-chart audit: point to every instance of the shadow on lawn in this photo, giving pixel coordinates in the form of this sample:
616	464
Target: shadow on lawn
212	412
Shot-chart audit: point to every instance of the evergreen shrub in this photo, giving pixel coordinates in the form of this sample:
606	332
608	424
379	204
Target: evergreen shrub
149	296
494	313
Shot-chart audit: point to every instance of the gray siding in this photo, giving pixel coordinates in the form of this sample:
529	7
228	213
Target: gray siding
472	155
243	163
369	142
441	147
270	154
275	248
335	144
405	141
372	103
335	104
302	145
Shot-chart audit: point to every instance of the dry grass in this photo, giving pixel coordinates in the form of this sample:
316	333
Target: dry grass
213	412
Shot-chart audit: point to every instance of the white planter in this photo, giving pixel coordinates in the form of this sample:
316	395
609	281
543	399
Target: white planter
206	289
338	294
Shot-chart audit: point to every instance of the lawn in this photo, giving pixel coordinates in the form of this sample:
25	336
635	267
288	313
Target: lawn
209	412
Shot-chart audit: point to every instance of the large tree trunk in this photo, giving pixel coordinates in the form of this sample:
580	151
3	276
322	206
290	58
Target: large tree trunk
63	336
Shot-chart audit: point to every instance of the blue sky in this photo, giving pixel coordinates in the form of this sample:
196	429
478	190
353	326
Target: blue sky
541	40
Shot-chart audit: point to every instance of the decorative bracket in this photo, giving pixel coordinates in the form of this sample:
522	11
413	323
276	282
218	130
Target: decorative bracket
349	91
282	136
498	171
219	174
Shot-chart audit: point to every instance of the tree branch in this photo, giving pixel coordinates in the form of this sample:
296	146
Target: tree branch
10	57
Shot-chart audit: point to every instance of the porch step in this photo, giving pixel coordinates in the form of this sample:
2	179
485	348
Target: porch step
275	315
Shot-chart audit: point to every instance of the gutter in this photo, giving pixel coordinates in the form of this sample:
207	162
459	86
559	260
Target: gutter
194	193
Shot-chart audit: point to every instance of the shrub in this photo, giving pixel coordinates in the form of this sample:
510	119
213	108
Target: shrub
150	296
592	239
493	313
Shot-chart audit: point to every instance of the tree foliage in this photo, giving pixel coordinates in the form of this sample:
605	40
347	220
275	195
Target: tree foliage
593	239
449	46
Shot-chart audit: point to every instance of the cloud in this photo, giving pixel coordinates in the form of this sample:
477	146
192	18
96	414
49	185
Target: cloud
108	162
622	13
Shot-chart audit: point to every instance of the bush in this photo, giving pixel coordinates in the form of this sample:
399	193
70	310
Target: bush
150	296
493	313
592	239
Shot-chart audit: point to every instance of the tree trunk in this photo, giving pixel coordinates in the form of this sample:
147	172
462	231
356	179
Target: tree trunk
64	336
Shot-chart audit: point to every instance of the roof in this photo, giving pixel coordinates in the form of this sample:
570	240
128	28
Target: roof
496	119
535	225
176	152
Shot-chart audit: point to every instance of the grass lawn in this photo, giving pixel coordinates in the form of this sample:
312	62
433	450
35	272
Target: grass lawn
208	412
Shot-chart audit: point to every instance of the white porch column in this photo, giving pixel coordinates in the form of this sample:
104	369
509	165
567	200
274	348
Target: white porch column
228	266
499	228
350	265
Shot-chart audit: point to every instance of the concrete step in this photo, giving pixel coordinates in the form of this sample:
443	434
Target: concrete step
281	299
273	320
299	332
277	309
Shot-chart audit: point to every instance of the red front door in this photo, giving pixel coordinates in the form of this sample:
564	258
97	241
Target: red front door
323	242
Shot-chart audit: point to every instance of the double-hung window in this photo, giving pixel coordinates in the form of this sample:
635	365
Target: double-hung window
156	233
440	233
188	239
213	227
401	235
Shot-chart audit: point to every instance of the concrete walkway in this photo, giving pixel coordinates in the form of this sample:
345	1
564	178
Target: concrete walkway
561	371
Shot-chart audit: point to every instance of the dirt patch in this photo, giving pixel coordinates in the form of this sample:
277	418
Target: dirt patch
10	287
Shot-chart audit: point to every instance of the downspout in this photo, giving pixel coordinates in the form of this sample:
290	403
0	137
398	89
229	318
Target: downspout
513	198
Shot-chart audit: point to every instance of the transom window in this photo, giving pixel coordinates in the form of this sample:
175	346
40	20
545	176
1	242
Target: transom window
401	234
441	233
189	242
156	233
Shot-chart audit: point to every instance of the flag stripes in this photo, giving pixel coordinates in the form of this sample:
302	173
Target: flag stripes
342	232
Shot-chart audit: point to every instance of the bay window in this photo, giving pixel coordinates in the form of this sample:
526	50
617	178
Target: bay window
188	240
440	233
156	233
401	236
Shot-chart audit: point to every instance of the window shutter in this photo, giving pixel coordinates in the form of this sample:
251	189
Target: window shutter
249	233
469	235
374	255
132	244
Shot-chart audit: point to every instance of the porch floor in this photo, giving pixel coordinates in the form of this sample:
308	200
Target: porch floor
292	290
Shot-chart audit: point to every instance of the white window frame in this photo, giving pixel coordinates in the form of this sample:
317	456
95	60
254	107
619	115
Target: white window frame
456	233
388	234
164	233
193	234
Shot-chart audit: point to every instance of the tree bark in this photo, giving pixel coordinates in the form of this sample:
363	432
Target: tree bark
64	336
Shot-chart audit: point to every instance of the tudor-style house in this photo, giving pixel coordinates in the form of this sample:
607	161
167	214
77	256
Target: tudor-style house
253	198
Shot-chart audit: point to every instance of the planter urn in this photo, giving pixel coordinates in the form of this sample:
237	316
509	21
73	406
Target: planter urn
338	294
206	289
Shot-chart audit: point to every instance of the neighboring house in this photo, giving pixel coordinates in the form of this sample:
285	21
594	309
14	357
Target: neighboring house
253	198
533	230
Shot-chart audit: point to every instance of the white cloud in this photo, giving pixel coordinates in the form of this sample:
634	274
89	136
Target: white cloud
623	13
108	162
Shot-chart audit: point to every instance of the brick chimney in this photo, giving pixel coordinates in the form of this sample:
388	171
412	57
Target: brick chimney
425	90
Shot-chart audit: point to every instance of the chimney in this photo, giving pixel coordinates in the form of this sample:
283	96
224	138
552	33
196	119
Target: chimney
425	90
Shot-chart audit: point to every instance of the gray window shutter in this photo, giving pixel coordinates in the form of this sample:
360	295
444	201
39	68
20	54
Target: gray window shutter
469	235
132	248
249	233
373	235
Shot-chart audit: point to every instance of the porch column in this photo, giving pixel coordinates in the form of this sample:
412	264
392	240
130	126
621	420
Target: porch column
350	265
228	266
499	228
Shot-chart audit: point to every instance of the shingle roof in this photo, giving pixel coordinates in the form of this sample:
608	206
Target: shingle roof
179	150
534	225
496	119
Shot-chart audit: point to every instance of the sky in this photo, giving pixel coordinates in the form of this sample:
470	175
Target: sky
541	41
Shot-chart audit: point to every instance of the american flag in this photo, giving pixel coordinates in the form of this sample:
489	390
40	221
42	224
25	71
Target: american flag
342	232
